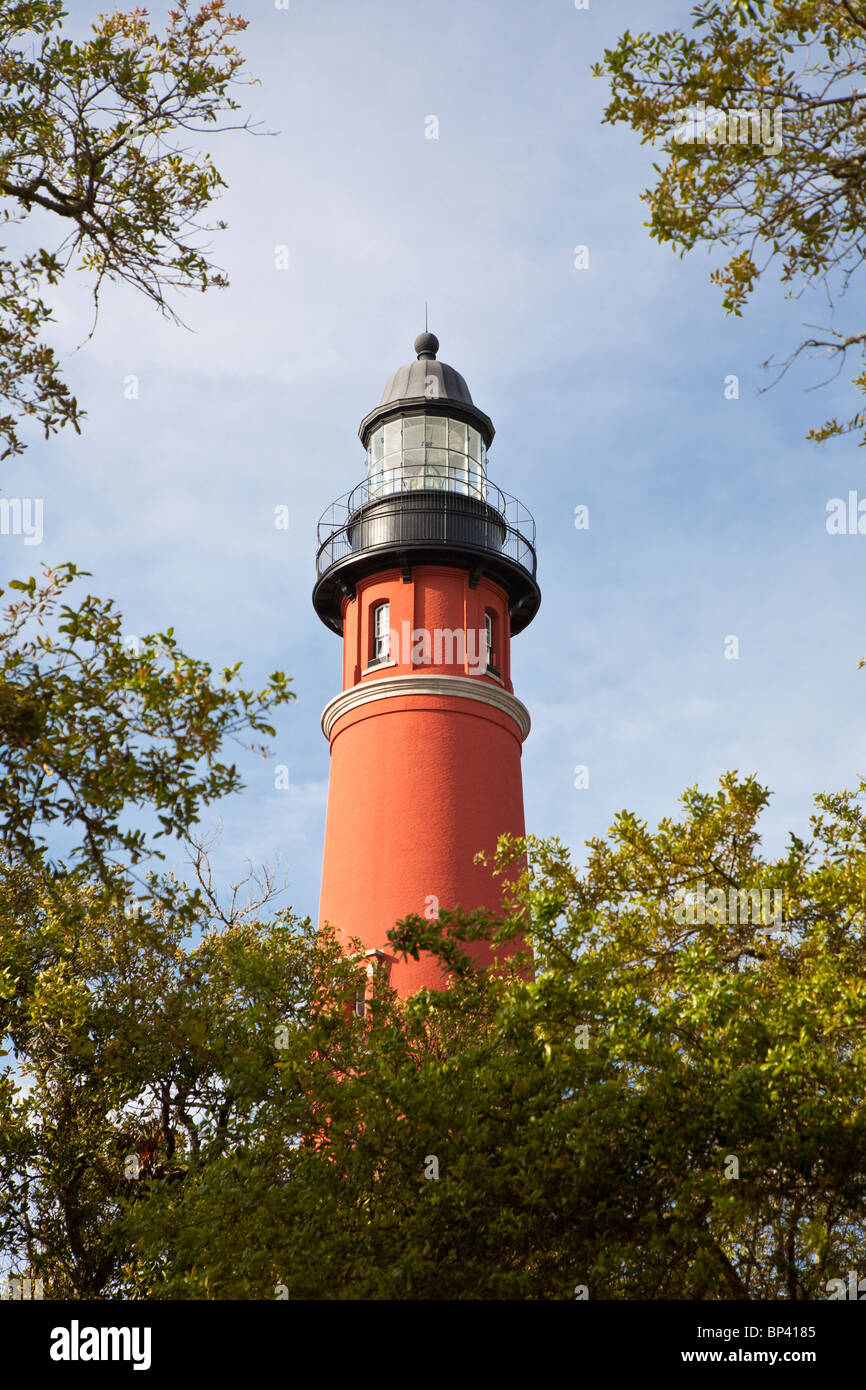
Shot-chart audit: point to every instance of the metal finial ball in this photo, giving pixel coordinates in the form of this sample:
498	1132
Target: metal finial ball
426	345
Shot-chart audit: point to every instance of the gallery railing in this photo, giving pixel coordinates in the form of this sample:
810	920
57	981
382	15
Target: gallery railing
426	506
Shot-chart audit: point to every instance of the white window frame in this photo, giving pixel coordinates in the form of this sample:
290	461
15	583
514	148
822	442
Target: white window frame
381	643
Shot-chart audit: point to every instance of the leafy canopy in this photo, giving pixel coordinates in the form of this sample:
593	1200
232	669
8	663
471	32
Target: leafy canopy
671	1108
97	734
789	193
97	134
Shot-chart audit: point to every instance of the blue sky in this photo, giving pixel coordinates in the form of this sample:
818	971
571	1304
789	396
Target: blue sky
606	386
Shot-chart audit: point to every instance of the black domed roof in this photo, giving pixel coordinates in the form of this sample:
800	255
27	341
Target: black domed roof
414	379
413	385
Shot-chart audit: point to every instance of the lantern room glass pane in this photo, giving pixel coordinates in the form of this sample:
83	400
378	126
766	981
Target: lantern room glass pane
457	436
437	431
413	433
393	442
457	479
474	443
413	468
376	444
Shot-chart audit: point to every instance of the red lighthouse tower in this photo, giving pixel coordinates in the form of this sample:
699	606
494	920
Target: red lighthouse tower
425	570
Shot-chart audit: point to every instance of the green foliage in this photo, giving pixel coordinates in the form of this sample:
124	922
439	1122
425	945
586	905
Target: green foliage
133	1050
124	1018
96	133
94	729
604	1165
796	196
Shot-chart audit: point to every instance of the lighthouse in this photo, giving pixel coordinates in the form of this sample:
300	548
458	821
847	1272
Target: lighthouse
425	570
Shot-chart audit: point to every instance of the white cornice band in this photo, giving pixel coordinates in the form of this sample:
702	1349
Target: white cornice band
464	687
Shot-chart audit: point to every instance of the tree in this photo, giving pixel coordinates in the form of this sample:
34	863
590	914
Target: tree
109	980
760	123
93	726
129	1034
672	1108
91	132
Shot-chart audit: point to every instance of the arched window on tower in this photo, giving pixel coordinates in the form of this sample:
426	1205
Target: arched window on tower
380	647
490	626
377	961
